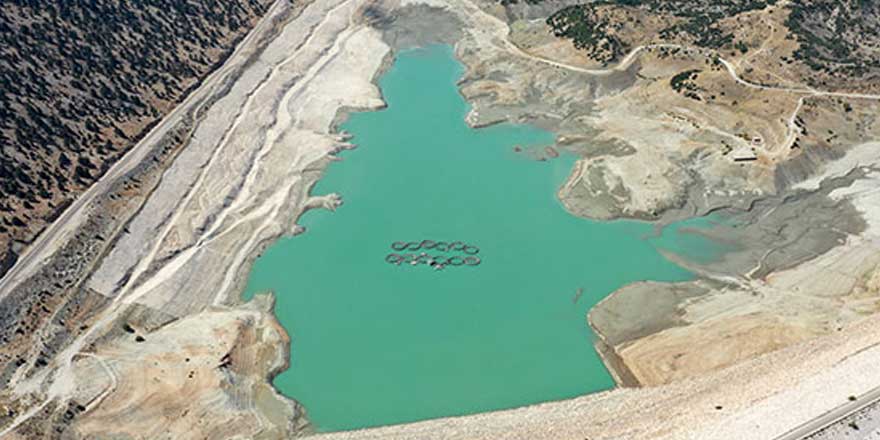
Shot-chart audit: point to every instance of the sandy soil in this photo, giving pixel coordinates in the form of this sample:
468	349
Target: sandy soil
214	363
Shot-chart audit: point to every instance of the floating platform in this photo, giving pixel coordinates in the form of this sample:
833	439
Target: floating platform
438	262
441	246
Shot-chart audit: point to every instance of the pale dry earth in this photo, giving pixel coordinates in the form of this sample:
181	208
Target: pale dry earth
783	329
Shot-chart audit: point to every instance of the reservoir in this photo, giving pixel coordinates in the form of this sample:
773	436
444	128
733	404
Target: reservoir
374	343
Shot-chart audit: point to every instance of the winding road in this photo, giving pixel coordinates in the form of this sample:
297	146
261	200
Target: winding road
502	31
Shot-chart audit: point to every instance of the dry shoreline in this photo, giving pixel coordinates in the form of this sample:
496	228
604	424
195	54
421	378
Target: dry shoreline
616	366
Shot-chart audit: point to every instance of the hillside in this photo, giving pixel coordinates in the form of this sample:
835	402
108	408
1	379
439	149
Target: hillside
825	42
82	81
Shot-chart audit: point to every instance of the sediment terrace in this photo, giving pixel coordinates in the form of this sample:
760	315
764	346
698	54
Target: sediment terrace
146	267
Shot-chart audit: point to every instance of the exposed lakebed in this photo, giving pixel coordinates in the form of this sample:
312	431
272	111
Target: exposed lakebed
375	343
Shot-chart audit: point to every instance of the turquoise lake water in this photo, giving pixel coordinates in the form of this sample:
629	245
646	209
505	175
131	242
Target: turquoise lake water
375	343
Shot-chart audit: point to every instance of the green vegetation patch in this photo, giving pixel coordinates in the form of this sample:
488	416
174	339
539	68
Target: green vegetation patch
593	27
831	34
684	83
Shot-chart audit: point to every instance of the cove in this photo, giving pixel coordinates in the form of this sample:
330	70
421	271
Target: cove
375	343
